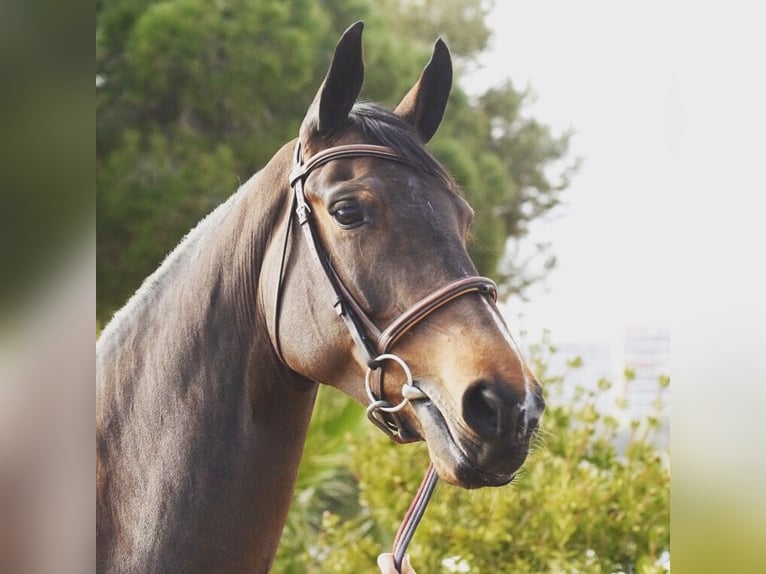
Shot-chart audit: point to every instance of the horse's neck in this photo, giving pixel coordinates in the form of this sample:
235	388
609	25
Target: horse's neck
199	429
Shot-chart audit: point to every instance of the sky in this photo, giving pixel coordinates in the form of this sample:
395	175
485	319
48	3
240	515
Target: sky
601	69
665	225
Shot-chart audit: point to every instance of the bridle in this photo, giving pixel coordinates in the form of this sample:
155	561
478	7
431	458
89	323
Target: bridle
374	345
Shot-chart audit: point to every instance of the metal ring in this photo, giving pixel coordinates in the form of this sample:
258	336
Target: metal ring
368	384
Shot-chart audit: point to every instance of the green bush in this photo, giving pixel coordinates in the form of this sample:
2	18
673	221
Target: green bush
578	506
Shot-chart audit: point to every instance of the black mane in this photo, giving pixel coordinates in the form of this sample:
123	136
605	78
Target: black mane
382	127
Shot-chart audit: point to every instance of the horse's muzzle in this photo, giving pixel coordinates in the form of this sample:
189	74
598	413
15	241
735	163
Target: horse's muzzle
486	443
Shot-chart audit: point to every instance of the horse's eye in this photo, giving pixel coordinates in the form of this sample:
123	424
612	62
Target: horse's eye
348	215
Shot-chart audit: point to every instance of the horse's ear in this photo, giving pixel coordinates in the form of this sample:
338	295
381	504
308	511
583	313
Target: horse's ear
423	106
341	86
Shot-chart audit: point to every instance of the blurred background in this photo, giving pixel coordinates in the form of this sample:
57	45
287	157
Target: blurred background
613	153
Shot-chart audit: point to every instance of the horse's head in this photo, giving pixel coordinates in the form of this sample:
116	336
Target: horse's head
393	231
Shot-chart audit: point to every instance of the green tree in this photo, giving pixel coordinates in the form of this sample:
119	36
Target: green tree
194	96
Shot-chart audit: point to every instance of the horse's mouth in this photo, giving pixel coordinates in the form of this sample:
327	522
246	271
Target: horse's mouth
453	460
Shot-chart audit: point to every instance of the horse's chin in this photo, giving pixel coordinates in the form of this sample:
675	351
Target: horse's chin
452	463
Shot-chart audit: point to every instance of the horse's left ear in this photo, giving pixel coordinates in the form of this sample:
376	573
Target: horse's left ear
423	106
341	86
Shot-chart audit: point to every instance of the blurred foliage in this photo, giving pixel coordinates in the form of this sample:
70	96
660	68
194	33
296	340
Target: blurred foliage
46	171
194	96
578	505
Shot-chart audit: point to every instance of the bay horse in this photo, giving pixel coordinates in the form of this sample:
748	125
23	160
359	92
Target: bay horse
347	247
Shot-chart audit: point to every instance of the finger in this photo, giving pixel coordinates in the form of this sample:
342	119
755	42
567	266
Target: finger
407	565
386	563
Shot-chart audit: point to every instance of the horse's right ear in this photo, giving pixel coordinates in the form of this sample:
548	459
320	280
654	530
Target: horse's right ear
340	88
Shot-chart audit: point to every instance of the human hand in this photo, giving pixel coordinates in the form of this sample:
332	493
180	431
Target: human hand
387	566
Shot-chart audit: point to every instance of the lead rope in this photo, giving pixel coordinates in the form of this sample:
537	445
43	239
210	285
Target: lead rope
414	514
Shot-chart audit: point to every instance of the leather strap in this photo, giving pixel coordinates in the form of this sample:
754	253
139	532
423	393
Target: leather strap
339	301
423	309
302	170
431	303
414	514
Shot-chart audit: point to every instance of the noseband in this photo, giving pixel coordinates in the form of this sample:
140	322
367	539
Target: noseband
375	345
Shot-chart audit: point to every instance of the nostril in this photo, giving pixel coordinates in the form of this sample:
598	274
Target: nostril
483	408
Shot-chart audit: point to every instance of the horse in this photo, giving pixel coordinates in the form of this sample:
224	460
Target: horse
342	261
